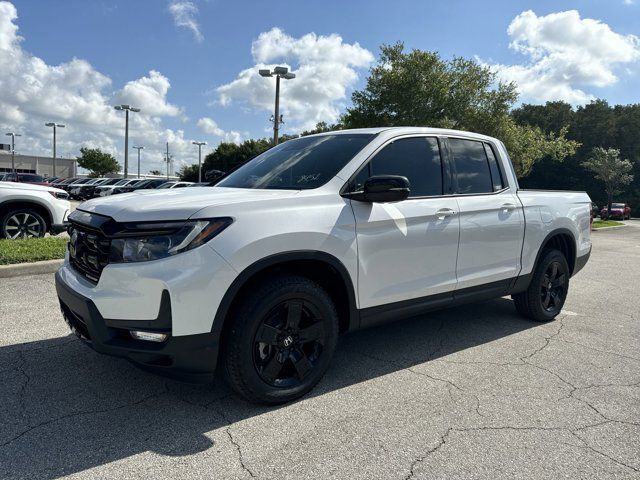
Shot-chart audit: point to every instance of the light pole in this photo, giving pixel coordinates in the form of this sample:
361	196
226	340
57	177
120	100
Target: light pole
13	150
126	109
278	72
199	144
139	148
54	125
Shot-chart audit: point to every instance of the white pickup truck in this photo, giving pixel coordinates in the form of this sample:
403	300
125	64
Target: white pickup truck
315	237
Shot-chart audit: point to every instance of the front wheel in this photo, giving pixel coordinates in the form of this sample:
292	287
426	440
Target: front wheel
22	223
281	340
547	292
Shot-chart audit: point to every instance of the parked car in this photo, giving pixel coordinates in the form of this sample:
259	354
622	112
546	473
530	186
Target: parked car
31	210
76	190
31	178
315	237
200	184
618	210
74	184
175	185
142	185
123	188
88	190
104	190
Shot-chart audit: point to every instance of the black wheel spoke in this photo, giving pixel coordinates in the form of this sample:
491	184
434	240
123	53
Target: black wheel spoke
556	299
294	314
554	271
301	363
268	334
311	333
559	282
546	300
273	368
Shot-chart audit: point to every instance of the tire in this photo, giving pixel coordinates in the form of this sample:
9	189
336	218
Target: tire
544	298
22	223
298	324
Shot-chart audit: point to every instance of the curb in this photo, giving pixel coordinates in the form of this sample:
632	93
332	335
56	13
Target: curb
607	228
35	268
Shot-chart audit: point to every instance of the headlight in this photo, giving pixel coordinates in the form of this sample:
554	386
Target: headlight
152	241
60	195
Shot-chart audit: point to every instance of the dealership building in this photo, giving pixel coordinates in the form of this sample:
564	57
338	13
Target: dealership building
65	167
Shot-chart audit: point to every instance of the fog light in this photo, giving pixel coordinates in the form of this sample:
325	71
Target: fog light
148	336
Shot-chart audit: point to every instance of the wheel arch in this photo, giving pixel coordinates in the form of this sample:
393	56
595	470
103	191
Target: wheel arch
564	240
321	267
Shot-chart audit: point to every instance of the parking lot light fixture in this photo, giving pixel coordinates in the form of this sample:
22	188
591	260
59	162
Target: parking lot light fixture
139	148
199	144
55	126
278	72
13	150
126	109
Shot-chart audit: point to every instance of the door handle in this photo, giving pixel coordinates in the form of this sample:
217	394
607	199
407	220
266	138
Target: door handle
444	212
507	207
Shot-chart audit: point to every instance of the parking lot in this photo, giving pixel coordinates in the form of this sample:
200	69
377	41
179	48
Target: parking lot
469	392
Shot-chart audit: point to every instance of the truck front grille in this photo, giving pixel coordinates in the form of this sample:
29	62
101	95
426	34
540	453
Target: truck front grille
88	252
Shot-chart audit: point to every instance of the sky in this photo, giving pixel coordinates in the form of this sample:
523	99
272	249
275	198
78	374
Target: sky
192	66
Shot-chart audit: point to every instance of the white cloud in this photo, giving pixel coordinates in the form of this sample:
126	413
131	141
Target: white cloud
567	55
149	94
33	92
628	2
184	15
325	67
209	126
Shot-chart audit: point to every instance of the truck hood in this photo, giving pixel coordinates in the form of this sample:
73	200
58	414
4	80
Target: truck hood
176	203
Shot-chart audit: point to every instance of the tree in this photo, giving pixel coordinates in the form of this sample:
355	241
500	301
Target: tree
97	162
421	89
322	127
611	170
155	172
189	173
227	156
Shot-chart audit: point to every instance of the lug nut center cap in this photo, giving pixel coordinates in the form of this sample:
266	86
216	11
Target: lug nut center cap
288	340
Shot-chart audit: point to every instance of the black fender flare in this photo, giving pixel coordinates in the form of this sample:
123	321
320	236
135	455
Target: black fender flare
275	259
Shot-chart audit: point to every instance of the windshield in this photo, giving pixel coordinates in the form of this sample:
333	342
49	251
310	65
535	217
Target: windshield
167	185
617	205
299	164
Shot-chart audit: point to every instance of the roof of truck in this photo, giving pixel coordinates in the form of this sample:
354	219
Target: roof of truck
409	130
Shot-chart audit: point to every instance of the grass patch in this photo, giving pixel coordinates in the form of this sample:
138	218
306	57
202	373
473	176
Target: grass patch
606	223
32	249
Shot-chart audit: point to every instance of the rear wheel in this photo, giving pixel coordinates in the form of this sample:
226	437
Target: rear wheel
547	292
22	223
281	340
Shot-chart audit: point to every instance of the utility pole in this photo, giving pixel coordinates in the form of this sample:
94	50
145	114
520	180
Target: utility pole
54	125
126	109
199	144
139	148
13	150
167	160
278	72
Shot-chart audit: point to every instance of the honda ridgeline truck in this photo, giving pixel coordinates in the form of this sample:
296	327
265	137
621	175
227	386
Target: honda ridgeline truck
316	237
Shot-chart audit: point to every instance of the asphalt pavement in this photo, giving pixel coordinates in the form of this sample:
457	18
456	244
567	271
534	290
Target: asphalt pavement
468	392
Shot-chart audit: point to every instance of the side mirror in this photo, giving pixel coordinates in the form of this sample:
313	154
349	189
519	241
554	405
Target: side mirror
383	188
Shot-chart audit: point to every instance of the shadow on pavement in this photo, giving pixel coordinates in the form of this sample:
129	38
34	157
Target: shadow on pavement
66	409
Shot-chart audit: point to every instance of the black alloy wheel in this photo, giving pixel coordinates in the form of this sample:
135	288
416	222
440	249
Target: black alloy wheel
279	339
544	298
553	287
289	343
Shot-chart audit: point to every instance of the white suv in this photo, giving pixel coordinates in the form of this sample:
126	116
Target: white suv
315	237
32	210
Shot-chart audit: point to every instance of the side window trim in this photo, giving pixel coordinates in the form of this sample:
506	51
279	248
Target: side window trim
444	167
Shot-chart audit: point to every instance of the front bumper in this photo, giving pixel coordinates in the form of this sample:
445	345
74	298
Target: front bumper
190	357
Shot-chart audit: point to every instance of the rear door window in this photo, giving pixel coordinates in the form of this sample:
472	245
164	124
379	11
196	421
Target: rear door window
471	166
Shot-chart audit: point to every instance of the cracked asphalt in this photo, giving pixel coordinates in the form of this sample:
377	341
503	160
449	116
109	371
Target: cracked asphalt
469	392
